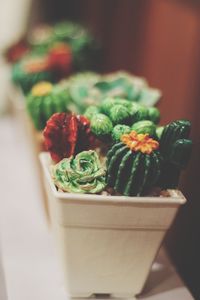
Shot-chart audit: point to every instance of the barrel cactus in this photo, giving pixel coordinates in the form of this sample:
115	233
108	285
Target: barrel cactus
91	111
133	165
119	130
123	111
44	100
101	126
154	114
175	147
30	70
108	103
145	126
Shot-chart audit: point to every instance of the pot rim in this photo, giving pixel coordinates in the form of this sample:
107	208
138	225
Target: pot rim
175	196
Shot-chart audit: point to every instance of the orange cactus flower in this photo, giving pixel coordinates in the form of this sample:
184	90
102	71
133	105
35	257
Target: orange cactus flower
41	89
38	64
139	142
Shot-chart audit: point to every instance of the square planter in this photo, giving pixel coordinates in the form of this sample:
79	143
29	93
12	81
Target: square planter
107	244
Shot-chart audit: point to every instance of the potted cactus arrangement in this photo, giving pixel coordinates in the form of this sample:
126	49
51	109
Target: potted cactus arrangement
111	179
48	53
78	93
51	53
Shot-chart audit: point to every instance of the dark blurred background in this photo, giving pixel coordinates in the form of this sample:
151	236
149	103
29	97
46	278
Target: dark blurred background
160	40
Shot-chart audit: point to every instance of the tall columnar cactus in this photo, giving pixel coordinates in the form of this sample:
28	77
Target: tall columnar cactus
44	100
175	148
133	165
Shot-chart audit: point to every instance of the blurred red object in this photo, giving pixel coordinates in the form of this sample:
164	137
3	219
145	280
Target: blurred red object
67	134
17	51
60	59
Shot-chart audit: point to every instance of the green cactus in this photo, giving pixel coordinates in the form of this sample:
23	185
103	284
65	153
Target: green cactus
44	100
110	89
154	114
159	131
119	130
108	103
101	126
145	126
120	114
133	165
175	148
131	173
91	111
139	112
123	111
25	79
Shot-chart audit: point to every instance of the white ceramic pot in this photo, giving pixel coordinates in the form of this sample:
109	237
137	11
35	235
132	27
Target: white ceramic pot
107	244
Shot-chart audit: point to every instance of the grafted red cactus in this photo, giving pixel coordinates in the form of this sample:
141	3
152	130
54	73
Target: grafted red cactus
67	134
60	58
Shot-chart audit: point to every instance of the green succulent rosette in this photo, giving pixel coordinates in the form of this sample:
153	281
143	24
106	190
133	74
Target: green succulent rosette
93	89
125	85
44	100
81	89
30	70
80	174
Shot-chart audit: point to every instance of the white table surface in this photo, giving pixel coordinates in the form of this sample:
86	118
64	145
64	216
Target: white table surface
30	263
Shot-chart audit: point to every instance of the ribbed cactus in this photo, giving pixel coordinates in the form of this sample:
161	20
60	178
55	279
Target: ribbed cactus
30	70
145	126
175	147
118	131
101	126
67	134
44	100
133	165
123	111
